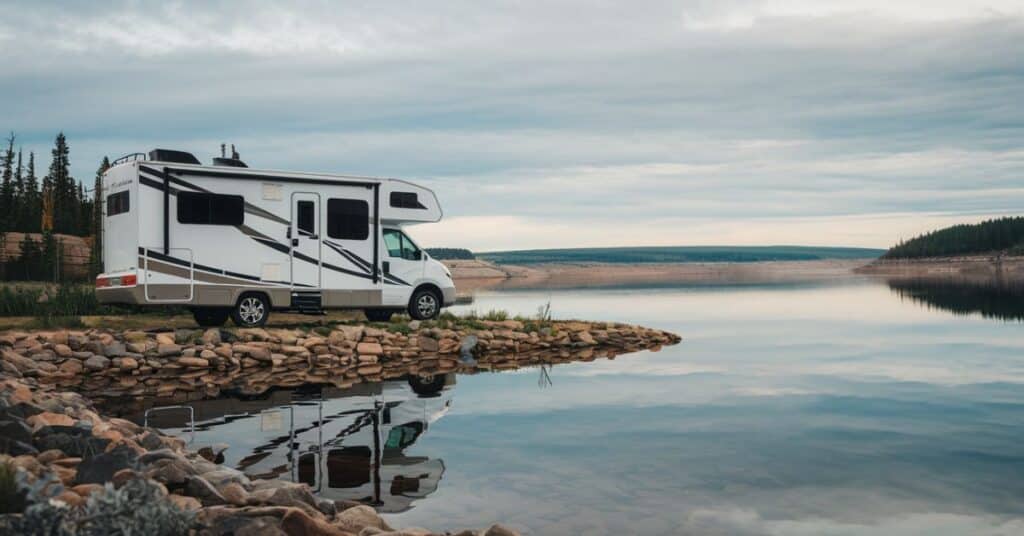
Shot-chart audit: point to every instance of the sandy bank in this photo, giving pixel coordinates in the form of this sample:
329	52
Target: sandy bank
471	275
978	267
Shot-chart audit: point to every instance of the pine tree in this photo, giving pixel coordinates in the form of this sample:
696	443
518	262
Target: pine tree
50	265
19	195
96	254
29	212
7	186
62	188
29	265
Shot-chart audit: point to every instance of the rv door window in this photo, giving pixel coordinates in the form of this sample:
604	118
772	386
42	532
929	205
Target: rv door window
348	219
117	203
306	221
210	209
400	246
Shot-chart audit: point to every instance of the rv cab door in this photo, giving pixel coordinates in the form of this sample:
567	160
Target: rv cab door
305	235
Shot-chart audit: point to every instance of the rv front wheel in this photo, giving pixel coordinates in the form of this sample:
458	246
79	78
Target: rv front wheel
251	311
424	305
211	317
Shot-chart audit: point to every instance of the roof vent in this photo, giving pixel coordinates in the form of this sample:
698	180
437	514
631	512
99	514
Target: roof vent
223	160
167	155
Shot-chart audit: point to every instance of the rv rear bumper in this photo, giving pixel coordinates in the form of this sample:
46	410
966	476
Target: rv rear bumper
121	295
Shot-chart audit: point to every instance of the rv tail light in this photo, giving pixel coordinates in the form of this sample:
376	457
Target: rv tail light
102	282
128	281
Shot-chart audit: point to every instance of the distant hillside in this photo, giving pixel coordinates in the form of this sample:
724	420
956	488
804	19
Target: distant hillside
679	254
1003	235
450	253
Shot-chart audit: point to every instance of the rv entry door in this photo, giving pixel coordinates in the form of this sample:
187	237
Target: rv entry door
305	235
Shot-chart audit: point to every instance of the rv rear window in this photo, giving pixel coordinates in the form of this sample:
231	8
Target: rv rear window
405	200
348	219
210	209
117	203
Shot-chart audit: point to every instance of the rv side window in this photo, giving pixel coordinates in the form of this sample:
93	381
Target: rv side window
306	218
405	200
348	219
210	209
117	203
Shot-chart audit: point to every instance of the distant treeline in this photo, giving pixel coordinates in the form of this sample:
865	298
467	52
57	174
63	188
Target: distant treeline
1003	235
451	253
57	203
679	254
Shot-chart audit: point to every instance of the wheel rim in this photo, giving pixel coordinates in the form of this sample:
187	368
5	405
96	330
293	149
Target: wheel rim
426	305
251	310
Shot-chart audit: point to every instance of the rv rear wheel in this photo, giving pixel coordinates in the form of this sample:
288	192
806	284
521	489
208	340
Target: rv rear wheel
378	315
425	304
211	317
251	311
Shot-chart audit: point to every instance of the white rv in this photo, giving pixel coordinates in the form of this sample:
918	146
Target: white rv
226	240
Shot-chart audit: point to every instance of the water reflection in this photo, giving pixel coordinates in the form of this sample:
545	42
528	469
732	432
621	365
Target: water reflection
345	443
990	297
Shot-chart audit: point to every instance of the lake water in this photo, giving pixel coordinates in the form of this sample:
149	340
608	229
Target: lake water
829	408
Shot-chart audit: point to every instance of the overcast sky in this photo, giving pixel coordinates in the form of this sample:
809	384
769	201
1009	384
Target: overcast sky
561	124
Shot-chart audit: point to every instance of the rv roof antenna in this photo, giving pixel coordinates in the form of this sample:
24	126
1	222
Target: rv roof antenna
222	155
234	153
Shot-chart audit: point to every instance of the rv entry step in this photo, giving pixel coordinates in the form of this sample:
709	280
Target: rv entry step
307	302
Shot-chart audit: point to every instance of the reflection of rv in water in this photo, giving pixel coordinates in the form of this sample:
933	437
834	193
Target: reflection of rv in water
346	444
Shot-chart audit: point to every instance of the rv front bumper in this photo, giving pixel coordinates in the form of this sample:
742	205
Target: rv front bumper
449	296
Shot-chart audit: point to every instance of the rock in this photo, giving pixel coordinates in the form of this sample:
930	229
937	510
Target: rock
296	495
370	370
124	476
171	471
128	363
499	530
62	350
135	336
369	348
357	518
114	349
101	467
137	347
245	525
20	362
72	367
48	418
427	344
255	352
13	429
73	442
167	350
298	523
85	490
585	337
185	503
150	441
197	362
414	325
204	491
70	498
234	493
165	338
208	355
211	336
224	475
97	362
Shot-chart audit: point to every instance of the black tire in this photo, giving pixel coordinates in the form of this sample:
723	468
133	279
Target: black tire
378	315
428	386
211	317
425	304
251	311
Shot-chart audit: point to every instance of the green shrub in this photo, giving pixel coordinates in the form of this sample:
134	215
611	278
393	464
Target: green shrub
12	499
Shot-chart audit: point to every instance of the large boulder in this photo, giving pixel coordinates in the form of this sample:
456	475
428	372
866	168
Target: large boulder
101	467
357	518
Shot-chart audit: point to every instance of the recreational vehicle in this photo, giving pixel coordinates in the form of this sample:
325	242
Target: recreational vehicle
226	240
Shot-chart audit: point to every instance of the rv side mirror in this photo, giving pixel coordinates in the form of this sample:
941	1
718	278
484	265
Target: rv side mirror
417	255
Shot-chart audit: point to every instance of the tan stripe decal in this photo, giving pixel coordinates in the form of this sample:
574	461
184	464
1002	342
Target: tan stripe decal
203	277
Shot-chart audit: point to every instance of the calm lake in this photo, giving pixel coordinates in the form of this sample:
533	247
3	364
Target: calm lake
845	407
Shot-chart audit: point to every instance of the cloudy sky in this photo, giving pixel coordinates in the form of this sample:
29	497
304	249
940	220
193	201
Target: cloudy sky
559	124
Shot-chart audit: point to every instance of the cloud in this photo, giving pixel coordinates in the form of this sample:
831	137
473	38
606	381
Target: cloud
578	116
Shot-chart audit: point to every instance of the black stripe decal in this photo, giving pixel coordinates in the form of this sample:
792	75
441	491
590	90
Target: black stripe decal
203	268
370	183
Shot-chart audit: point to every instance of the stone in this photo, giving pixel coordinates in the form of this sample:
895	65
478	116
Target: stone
357	518
70	498
79	443
255	352
97	362
296	495
114	349
197	362
62	350
20	362
234	493
414	325
499	530
187	504
137	347
128	363
150	441
165	338
72	367
168	350
427	344
298	523
101	467
369	370
245	525
134	336
48	418
208	355
211	336
124	476
171	471
369	348
85	490
585	337
204	491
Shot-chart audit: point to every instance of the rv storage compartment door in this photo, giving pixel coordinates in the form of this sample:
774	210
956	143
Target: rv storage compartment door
168	278
305	235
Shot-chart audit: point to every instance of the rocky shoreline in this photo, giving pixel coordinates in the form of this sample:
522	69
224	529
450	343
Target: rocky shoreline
76	468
